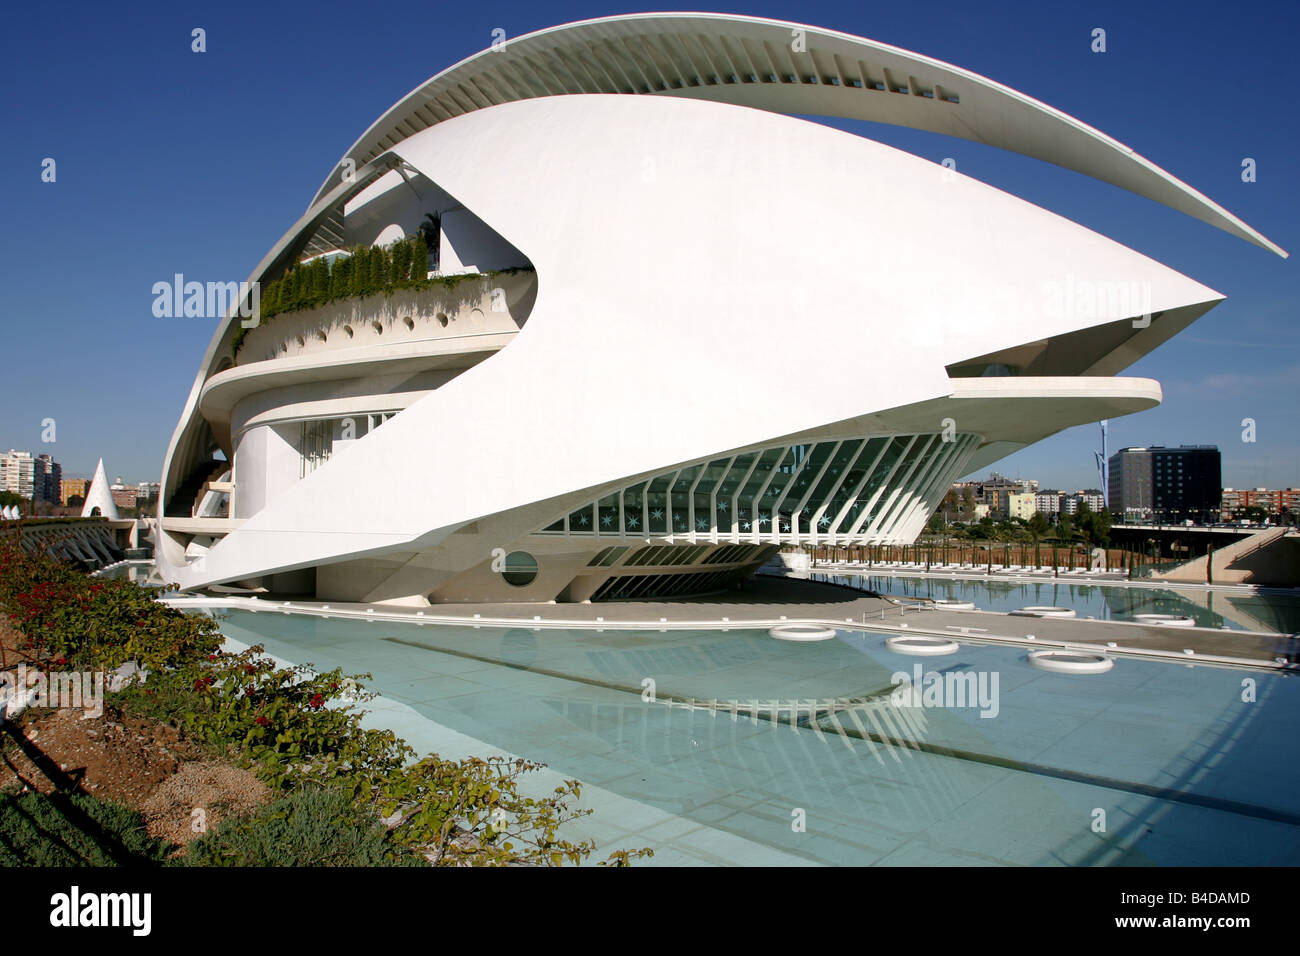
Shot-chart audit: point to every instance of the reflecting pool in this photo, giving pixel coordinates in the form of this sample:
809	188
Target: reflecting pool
730	747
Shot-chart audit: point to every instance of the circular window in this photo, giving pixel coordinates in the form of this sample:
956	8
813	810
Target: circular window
520	568
348	331
409	323
322	336
379	329
442	319
301	342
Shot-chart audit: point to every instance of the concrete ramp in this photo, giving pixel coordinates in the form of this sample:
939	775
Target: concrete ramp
1271	557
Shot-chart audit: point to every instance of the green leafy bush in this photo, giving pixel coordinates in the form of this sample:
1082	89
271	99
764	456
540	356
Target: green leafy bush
97	624
470	813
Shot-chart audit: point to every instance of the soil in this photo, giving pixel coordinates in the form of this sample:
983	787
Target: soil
11	639
144	764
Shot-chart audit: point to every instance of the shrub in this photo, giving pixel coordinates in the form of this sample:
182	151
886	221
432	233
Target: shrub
287	722
419	261
378	269
97	624
75	829
360	271
313	826
401	254
320	282
470	813
366	271
341	278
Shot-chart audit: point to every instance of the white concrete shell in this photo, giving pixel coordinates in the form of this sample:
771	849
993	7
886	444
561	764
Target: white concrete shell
99	499
714	284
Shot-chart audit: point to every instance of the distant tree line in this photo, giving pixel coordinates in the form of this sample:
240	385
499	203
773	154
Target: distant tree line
956	519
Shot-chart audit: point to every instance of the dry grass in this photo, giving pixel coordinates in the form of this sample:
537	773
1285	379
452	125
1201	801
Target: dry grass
220	791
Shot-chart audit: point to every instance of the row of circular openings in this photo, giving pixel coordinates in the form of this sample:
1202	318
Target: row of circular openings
409	322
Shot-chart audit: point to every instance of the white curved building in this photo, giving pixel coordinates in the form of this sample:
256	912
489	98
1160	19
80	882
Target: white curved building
694	327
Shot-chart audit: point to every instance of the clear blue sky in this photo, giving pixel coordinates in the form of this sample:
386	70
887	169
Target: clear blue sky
171	161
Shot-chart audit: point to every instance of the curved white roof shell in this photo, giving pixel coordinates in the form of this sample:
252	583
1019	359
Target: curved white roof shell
751	61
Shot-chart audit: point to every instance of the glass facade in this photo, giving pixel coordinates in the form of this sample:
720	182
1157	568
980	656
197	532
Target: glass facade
850	491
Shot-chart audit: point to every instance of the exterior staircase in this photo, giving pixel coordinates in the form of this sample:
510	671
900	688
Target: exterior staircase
181	504
1267	557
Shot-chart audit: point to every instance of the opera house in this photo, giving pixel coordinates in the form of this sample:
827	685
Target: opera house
598	314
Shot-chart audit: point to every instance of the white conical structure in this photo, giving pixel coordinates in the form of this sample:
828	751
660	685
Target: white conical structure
99	496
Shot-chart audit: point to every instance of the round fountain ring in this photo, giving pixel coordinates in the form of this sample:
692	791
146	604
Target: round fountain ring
802	632
1043	610
922	646
1166	620
952	604
1071	662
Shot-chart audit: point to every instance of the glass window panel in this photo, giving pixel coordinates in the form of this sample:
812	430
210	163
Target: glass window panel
727	488
581	521
815	459
607	513
896	482
681	499
745	501
633	517
657	504
713	474
897	444
777	488
852	479
797	454
830	483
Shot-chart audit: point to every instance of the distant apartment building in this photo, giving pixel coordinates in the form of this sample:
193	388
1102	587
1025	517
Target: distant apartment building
70	487
1073	502
17	472
123	497
1166	484
1273	501
1048	502
47	474
1016	504
995	490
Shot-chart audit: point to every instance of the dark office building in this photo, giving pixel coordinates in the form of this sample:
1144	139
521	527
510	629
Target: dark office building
1166	484
47	474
